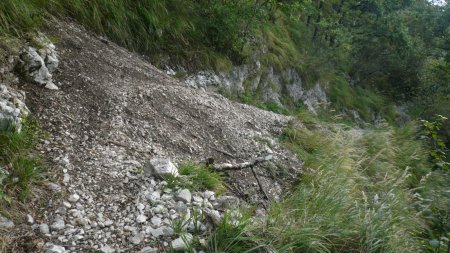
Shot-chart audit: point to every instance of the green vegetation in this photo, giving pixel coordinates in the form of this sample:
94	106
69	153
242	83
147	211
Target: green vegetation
20	164
371	52
364	190
355	196
232	236
197	177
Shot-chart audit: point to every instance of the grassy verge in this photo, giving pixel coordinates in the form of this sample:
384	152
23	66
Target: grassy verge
21	169
20	165
362	191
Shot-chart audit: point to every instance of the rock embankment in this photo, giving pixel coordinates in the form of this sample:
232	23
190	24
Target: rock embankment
160	216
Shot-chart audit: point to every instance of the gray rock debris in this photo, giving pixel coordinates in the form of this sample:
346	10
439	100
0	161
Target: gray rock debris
59	224
52	248
228	202
44	229
30	219
6	223
54	187
184	195
12	108
182	242
148	250
74	197
161	167
137	239
37	66
107	249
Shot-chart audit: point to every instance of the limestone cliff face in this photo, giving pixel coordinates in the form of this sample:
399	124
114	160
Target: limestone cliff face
269	84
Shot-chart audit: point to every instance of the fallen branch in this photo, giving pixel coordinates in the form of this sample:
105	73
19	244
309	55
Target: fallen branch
222	151
244	165
260	186
117	143
240	166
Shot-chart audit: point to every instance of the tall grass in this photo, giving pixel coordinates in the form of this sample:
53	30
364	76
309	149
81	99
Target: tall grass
22	166
189	33
19	16
357	194
354	199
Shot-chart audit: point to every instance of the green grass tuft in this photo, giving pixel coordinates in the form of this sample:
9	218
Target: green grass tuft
232	236
22	165
197	177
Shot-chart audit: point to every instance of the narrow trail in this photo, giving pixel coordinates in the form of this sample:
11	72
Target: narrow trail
113	112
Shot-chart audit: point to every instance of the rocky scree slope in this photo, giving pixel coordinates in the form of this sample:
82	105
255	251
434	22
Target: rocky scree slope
112	113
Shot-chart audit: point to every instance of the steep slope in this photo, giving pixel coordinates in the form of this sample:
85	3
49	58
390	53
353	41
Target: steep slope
113	112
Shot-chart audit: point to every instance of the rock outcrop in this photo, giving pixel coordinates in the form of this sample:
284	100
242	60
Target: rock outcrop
271	85
12	108
37	65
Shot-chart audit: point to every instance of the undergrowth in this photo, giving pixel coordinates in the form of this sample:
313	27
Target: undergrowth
366	190
20	165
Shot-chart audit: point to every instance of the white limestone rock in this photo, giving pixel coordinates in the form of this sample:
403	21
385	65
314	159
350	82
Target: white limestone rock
161	167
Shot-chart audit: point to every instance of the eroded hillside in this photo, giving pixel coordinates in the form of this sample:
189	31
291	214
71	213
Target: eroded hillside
112	113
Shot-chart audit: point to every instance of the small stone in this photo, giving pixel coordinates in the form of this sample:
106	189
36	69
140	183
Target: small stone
208	194
67	204
154	196
154	232
214	215
30	219
81	221
6	223
43	228
202	242
51	248
66	178
184	195
58	224
197	199
156	221
180	207
140	206
148	250
108	223
160	167
61	210
141	218
74	198
228	202
166	231
182	242
107	249
51	86
54	187
137	239
158	209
